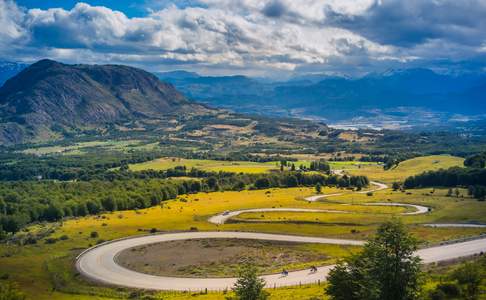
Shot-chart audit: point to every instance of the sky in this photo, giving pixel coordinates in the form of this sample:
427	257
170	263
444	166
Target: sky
272	38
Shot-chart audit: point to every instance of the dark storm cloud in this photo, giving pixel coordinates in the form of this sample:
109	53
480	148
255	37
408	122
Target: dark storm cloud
412	22
274	9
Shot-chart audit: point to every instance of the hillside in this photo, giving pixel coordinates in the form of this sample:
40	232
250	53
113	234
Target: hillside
50	99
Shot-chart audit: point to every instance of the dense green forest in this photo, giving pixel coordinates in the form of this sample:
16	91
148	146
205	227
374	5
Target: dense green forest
472	178
25	202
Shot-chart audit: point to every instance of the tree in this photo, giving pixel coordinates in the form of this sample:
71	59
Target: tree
53	213
109	203
386	268
476	161
318	188
291	181
469	278
249	286
213	183
262	183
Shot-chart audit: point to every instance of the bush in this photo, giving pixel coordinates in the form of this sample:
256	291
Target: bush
437	295
94	234
64	237
449	289
51	241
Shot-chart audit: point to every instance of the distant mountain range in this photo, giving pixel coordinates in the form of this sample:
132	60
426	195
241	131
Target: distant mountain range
9	69
412	96
49	99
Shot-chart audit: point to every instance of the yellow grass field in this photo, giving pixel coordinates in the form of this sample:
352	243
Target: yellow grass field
208	165
37	267
406	168
45	271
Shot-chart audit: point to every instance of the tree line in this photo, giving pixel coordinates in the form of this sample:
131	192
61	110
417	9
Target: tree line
24	202
472	178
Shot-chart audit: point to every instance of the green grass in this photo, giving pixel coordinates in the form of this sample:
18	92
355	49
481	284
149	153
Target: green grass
83	147
208	165
26	264
45	271
406	168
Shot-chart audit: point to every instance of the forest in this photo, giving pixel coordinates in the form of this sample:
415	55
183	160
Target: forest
22	203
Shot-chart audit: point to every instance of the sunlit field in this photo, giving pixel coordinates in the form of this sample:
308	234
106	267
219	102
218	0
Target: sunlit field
406	168
46	271
191	213
208	165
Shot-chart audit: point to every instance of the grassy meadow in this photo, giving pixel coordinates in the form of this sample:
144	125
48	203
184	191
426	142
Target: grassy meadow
46	270
207	165
406	168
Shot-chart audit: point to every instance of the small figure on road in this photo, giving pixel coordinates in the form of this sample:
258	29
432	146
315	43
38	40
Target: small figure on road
313	269
285	272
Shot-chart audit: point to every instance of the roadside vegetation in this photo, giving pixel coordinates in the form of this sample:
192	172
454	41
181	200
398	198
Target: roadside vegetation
56	202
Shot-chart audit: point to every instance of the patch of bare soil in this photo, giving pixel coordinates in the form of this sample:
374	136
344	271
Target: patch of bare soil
218	257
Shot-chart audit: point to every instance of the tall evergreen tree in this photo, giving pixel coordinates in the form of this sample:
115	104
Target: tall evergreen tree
386	268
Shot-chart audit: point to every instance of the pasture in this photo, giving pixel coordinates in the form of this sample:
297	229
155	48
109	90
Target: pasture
45	268
42	265
406	168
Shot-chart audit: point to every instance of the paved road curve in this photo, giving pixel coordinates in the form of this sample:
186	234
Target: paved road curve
379	186
225	216
99	263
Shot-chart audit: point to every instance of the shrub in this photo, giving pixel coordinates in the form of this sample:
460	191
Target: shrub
51	241
64	237
94	234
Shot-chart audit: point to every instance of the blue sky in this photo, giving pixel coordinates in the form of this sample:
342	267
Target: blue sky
130	8
253	37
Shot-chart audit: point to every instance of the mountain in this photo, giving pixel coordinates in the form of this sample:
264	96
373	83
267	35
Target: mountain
178	74
410	96
49	99
222	91
9	69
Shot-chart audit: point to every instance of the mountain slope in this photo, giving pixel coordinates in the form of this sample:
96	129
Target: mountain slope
50	98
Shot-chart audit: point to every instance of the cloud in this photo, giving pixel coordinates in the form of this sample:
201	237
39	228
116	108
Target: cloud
414	22
252	36
10	22
274	9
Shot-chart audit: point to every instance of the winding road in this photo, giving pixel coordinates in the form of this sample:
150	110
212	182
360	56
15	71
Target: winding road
379	186
99	263
225	216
